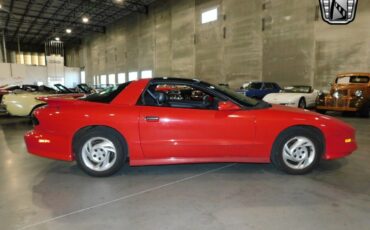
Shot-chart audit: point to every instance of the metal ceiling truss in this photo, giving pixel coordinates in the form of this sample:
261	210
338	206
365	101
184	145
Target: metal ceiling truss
32	23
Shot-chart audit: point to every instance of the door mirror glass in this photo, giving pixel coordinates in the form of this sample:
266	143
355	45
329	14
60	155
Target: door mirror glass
227	106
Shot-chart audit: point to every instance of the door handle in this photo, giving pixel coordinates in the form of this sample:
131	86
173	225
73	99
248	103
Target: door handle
152	118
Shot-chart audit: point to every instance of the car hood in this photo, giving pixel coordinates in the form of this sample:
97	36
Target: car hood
303	116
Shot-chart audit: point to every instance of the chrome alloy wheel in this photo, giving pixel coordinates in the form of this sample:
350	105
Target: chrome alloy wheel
99	154
299	153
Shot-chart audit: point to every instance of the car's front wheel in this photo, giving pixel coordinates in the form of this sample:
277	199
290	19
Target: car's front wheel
100	152
297	151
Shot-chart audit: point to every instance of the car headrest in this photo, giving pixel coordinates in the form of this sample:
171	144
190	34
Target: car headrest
161	98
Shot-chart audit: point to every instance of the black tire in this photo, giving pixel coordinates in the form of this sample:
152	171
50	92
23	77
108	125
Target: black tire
364	111
105	133
302	103
285	137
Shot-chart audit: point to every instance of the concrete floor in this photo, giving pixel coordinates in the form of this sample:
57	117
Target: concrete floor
42	194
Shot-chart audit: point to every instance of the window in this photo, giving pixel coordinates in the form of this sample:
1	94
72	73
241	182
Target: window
179	96
112	79
103	80
352	79
146	74
209	16
107	95
269	86
121	78
132	76
83	77
94	80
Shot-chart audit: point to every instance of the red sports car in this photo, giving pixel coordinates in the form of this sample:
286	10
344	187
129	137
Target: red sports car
137	120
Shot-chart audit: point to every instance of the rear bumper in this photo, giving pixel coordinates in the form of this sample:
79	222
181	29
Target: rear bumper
48	145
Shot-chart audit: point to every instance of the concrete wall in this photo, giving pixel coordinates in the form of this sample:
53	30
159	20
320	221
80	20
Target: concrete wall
276	40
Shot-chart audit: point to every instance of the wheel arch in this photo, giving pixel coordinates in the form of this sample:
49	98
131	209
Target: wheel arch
36	107
88	128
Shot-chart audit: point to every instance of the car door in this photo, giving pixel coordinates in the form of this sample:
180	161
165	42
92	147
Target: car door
168	132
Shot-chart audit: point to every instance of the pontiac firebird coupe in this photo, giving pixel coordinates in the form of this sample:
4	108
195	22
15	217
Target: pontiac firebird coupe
149	126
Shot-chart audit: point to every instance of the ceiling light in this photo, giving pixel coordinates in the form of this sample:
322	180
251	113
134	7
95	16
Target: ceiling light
85	19
1	6
68	31
57	39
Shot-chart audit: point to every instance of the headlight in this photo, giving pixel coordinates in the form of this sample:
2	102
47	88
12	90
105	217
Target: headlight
358	93
336	94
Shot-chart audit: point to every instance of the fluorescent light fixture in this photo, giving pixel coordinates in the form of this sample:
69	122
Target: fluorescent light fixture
57	39
85	19
68	31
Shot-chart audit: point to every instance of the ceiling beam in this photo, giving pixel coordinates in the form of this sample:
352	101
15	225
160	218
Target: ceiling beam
53	16
47	4
22	19
9	14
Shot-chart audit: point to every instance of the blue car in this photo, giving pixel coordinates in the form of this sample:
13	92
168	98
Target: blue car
259	89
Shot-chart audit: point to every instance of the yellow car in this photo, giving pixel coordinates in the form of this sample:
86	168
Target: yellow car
24	102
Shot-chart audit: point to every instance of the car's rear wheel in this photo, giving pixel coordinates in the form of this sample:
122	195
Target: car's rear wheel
297	151
302	103
100	152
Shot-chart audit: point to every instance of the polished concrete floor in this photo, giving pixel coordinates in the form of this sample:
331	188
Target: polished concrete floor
37	193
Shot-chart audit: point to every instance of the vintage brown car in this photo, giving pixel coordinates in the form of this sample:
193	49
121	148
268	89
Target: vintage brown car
349	93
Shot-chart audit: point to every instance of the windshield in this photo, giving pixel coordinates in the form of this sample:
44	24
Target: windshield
62	88
352	79
297	89
253	85
239	98
85	88
107	95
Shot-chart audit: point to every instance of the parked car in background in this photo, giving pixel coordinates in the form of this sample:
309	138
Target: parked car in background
349	93
259	89
23	100
138	121
300	96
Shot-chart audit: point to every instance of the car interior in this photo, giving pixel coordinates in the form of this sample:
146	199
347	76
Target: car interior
178	96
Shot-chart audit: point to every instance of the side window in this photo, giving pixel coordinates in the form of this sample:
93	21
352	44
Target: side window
276	86
269	86
178	96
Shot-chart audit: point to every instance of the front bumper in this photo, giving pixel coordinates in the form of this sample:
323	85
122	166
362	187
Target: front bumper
342	104
48	145
339	109
337	147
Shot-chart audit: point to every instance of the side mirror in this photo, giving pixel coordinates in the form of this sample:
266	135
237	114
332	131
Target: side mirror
227	106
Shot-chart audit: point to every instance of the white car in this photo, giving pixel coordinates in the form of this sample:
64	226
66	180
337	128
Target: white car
294	96
22	102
